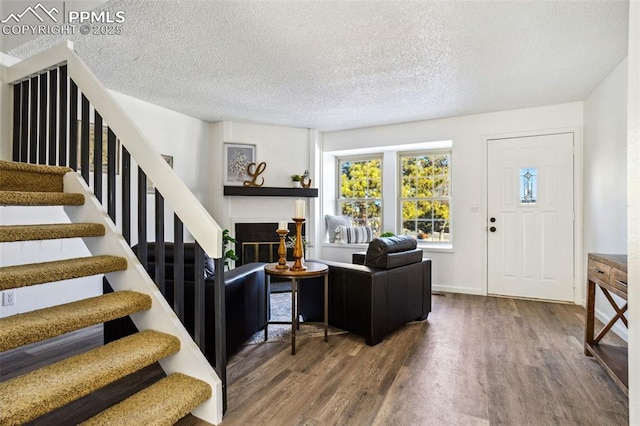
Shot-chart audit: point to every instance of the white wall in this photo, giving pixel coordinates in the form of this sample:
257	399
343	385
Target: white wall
6	100
633	141
605	168
5	116
464	268
184	138
18	253
285	150
605	176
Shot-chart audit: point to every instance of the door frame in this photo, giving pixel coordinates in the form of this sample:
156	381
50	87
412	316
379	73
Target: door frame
579	265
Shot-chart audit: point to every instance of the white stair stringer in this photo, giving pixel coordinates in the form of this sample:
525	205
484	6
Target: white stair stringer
161	317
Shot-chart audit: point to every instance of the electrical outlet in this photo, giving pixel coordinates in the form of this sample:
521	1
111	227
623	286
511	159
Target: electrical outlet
9	298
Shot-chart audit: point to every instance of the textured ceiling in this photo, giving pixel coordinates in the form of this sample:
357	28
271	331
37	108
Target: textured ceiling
336	65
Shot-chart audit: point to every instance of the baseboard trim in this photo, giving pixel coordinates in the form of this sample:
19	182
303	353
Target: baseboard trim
455	289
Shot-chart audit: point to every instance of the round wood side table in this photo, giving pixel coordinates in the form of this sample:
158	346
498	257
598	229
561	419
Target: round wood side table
314	270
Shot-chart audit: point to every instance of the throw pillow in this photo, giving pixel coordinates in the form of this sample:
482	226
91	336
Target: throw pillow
332	225
354	234
209	267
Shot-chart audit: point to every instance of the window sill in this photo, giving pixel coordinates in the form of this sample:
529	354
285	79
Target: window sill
362	246
425	247
436	248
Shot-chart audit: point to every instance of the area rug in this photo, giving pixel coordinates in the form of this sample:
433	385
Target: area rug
281	311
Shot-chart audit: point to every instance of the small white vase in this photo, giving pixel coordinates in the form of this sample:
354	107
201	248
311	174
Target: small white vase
295	183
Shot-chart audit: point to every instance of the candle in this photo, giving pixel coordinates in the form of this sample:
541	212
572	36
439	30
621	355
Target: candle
282	224
299	209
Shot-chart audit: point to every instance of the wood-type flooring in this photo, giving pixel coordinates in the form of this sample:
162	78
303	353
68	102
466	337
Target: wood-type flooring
475	361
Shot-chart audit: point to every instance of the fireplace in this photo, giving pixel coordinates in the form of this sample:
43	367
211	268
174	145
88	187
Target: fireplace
258	242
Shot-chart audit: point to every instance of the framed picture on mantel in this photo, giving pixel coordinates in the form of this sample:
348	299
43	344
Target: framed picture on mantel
236	159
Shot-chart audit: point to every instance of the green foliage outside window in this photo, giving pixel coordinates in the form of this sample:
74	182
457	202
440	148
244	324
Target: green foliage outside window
425	196
361	191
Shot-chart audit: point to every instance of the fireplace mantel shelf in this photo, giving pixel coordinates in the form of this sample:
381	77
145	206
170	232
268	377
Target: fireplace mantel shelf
263	191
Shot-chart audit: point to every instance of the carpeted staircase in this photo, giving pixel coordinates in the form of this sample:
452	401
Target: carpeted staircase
31	395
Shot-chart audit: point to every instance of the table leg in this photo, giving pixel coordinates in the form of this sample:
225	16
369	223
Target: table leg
298	289
267	305
326	307
589	313
294	316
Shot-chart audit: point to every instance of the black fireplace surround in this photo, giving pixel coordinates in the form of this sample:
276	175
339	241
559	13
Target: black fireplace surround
258	242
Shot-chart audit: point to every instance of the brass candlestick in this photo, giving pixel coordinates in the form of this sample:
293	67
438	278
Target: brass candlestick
282	250
297	248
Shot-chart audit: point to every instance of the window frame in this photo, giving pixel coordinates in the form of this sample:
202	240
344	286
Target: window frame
338	173
449	198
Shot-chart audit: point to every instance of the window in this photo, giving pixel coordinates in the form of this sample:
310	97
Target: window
528	185
425	195
360	191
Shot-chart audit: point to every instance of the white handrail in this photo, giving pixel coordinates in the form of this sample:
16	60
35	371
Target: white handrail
195	217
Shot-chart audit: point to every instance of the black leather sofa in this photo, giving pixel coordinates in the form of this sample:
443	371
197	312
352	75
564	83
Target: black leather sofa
244	291
392	288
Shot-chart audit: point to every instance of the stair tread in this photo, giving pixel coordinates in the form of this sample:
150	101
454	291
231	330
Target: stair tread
11	233
36	168
163	403
31	177
38	273
34	326
27	397
25	198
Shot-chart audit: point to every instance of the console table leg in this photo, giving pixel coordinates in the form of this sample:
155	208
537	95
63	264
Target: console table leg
589	316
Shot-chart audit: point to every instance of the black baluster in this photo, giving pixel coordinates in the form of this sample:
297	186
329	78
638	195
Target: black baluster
112	163
178	267
199	297
142	218
17	127
84	139
42	123
126	195
33	131
160	258
73	125
53	116
97	155
62	118
24	122
220	332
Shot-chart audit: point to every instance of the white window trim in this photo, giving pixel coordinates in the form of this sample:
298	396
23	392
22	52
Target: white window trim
389	187
363	157
426	245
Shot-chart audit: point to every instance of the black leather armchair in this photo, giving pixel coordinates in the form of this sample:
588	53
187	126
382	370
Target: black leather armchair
393	287
244	293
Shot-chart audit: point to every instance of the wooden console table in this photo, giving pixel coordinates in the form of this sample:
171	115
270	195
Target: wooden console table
609	272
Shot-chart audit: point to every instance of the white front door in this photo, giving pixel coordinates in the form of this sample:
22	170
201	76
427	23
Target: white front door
530	217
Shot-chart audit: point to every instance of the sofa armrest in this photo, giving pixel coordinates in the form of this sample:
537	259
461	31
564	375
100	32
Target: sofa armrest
243	271
426	294
244	304
357	258
357	299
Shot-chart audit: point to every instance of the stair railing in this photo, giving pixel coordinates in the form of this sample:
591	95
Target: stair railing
51	90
